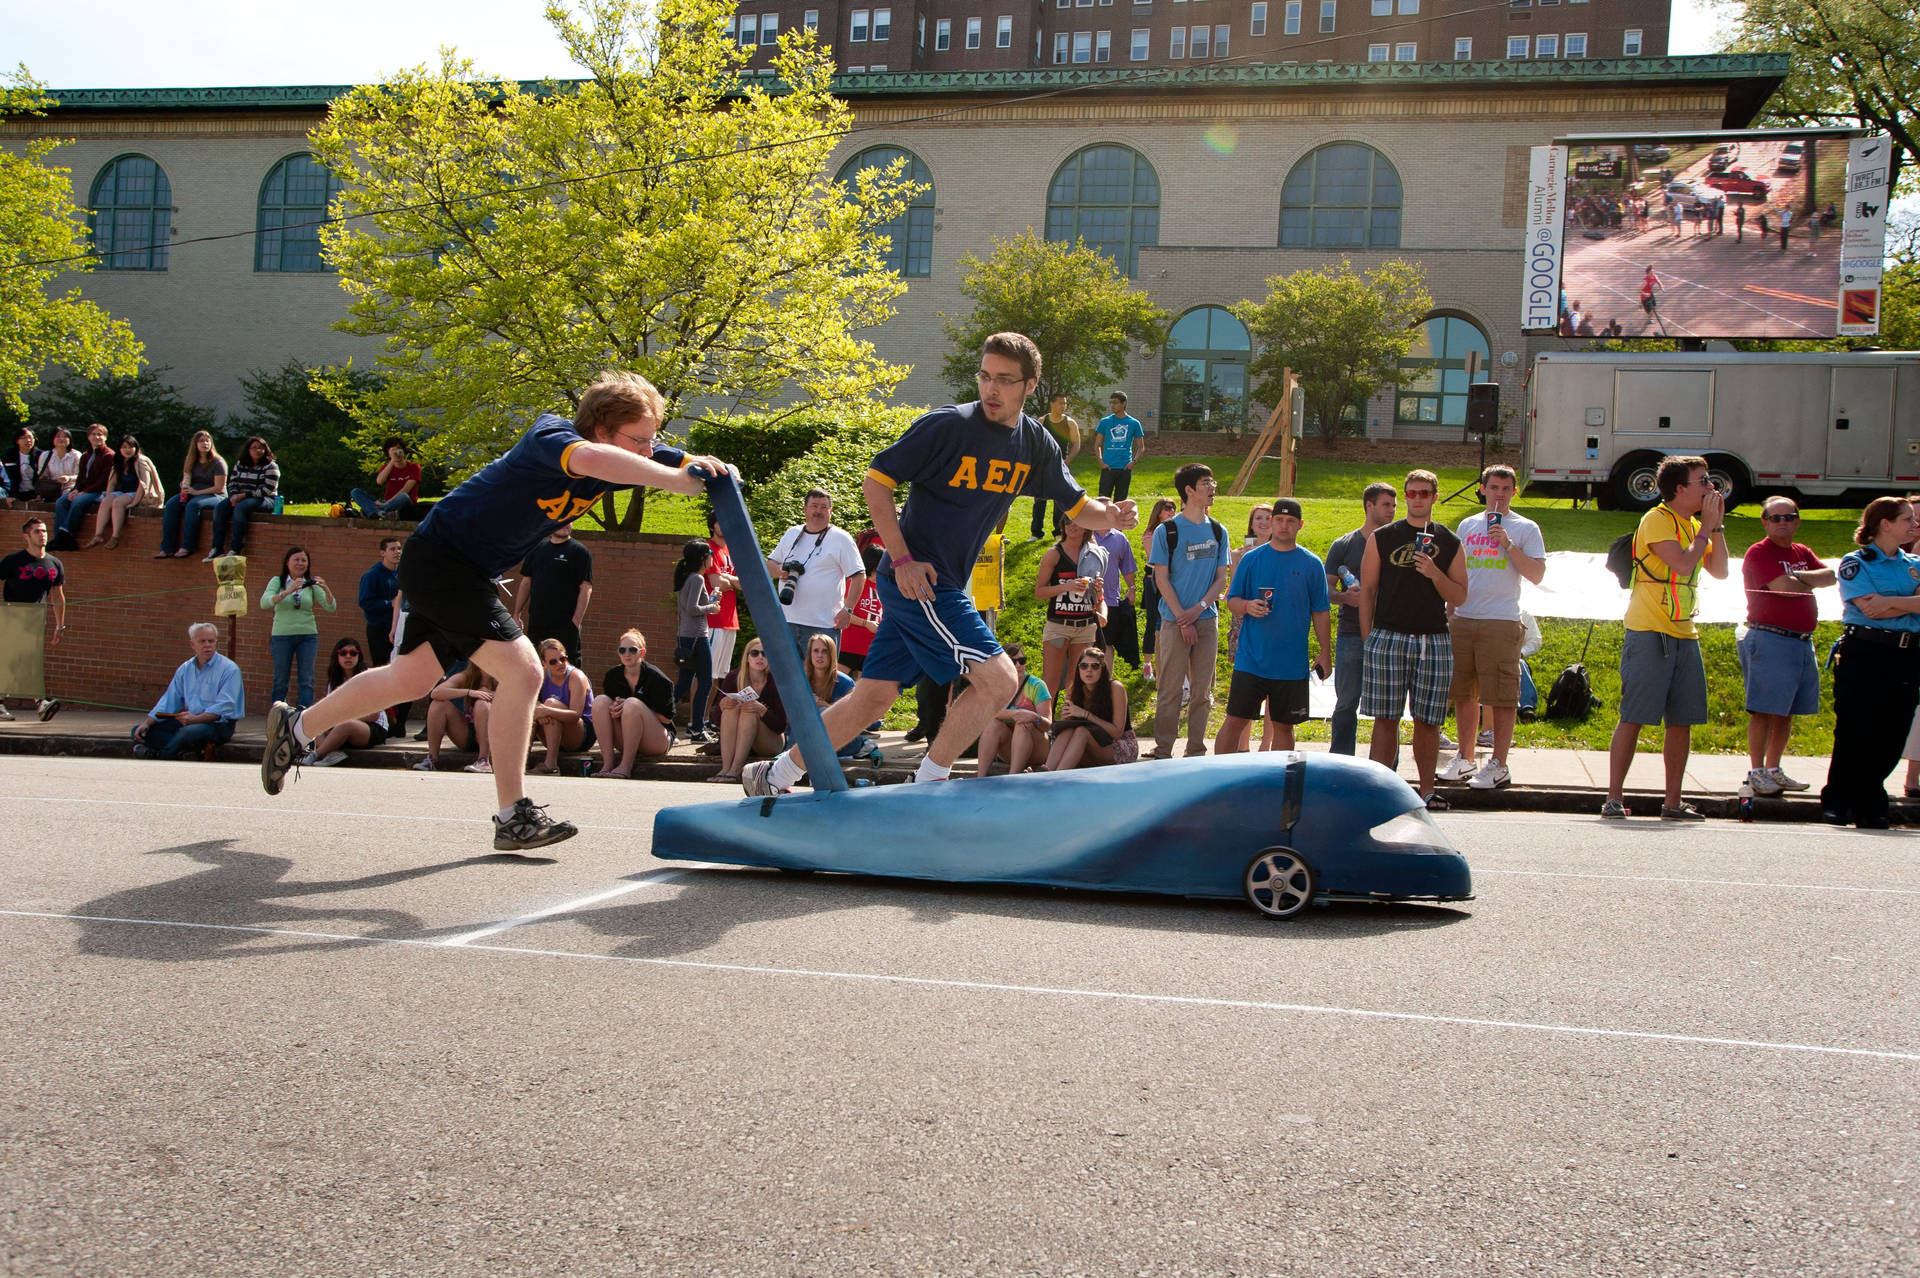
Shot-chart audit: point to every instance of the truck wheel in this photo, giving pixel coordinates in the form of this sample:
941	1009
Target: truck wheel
1279	883
1730	477
1632	484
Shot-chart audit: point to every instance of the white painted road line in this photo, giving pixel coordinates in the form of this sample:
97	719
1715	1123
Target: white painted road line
1045	991
634	884
269	808
1665	878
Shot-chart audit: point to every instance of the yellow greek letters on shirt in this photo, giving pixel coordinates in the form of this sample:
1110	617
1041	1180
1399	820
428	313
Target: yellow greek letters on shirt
565	508
1002	476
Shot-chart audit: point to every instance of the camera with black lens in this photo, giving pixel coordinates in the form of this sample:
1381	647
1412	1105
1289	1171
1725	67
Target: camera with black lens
794	570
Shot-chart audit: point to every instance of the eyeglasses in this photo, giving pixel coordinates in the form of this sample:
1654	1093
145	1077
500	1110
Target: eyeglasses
1781	519
1092	665
1019	661
1705	481
556	661
1004	383
625	650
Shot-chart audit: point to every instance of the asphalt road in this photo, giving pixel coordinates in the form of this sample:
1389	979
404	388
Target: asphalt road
330	1033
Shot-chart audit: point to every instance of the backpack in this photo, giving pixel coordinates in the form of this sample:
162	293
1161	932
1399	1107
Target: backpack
1621	561
1172	529
1571	696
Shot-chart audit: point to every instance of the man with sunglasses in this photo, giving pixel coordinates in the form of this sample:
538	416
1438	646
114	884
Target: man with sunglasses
491	522
1777	657
966	465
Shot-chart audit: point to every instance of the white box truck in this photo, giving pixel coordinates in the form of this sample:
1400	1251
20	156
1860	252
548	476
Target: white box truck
1598	422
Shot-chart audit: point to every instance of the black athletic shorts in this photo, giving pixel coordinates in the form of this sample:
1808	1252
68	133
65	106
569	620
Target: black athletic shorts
451	604
1284	700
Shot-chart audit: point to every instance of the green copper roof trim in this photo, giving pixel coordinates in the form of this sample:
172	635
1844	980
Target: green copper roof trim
1501	71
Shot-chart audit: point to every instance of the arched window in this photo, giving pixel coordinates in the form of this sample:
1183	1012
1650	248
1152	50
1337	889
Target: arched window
1203	383
1343	196
911	253
293	202
1438	396
1108	196
130	215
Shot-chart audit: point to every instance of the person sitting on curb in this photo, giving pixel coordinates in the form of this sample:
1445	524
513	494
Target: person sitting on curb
1021	728
200	707
330	747
633	715
450	713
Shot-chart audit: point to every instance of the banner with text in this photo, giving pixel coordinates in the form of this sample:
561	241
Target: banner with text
1546	227
1863	237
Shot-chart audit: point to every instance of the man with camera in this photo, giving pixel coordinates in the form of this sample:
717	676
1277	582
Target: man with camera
818	572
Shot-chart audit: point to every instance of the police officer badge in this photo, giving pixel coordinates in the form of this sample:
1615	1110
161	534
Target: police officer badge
1849	568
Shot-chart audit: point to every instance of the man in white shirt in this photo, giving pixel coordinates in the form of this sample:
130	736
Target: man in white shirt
818	573
1501	549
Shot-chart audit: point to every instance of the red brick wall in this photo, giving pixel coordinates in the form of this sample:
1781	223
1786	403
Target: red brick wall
128	612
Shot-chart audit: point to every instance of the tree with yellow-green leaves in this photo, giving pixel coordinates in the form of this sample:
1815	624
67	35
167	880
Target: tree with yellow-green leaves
43	236
665	215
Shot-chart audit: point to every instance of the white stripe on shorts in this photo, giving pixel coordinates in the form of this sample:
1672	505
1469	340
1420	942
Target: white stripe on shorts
964	657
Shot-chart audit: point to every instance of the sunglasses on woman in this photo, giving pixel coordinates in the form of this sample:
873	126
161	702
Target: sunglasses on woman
556	661
624	651
1091	665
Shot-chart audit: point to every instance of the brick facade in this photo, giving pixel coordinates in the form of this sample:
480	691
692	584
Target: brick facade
128	613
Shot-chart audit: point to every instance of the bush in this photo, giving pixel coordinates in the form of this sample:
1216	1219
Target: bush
142	405
838	464
309	433
762	447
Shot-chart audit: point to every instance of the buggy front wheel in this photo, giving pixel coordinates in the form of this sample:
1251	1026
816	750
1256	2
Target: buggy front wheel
1279	883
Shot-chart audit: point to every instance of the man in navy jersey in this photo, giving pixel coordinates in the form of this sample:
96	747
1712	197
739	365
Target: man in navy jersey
966	464
480	530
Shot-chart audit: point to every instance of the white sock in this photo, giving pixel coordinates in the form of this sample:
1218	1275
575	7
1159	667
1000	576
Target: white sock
931	771
300	737
506	814
786	773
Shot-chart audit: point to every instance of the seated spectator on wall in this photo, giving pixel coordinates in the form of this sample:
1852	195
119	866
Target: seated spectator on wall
59	465
136	483
1021	728
90	482
752	720
399	481
1090	727
562	715
203	482
251	487
330	747
450	713
20	467
633	715
293	596
199	707
829	684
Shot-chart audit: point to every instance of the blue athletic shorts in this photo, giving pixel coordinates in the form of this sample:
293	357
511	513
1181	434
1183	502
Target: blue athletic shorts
941	638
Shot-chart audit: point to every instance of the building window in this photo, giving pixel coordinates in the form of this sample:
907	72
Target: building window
1463	49
1630	45
910	251
1382	8
1438	395
1292	18
1083	46
973	33
857	32
1103	46
769	28
749	32
729	30
1577	45
1545	3
1108	196
130	215
1003	33
920	33
1376	53
1257	25
1060	46
1340	196
811	20
1197	42
1546	46
1083	4
1203	384
883	24
878	66
942	34
1142	43
1328	8
1406	53
1220	33
293	201
1516	46
1177	43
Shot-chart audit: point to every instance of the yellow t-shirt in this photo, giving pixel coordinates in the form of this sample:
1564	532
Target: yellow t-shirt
987	588
1662	599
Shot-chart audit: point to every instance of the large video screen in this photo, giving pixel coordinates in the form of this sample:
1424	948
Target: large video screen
1717	235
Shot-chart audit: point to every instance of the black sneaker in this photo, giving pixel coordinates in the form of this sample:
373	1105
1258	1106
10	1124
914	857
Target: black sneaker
282	750
530	827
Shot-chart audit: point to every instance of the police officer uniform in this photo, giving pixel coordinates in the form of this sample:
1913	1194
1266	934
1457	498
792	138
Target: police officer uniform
1876	685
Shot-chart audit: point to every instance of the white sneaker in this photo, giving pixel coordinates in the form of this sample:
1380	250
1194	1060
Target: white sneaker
1458	770
1786	782
1447	742
1485	739
423	764
330	759
1761	782
1491	777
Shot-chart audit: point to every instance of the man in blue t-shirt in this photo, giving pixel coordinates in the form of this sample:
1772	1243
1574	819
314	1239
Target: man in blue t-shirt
1120	448
1279	589
551	477
966	465
1189	562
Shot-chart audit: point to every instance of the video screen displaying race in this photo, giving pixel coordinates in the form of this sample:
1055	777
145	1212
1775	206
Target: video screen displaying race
1706	237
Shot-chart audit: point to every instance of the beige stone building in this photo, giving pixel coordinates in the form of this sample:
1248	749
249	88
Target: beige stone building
1202	182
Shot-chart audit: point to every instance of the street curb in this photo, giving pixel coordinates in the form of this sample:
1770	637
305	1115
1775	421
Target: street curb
1565	800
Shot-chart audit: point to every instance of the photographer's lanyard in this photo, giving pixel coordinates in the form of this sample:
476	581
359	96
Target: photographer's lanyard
819	539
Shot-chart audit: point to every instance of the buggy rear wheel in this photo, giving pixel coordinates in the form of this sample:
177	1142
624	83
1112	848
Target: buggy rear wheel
1279	883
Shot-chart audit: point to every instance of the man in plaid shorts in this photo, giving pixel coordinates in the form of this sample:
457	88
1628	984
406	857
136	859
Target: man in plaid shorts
1412	571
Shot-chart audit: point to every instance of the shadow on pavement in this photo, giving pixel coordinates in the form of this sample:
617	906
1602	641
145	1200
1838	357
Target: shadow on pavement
713	902
242	890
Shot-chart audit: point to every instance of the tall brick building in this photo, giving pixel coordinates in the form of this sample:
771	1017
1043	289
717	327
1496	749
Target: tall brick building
998	35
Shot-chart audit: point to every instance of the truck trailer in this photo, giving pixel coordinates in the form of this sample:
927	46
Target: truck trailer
1815	425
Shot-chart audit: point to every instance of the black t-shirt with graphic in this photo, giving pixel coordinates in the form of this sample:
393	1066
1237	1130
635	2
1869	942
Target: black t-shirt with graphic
1406	602
29	580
